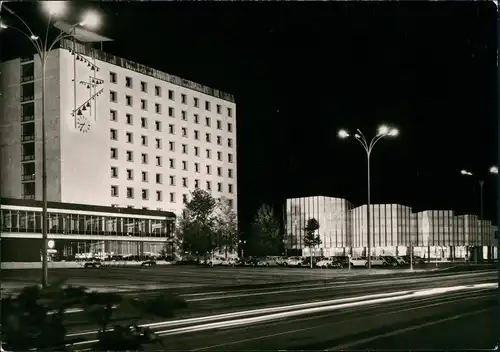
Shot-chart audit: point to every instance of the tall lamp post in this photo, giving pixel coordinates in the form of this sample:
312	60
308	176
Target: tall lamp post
242	245
43	47
383	131
492	170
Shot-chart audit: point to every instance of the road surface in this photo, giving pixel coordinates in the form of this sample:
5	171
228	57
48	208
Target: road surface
180	276
462	320
224	306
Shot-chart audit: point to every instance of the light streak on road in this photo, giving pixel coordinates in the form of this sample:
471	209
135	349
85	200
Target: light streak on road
327	308
270	314
244	313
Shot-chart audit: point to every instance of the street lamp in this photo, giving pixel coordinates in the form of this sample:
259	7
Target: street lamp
242	244
383	131
43	48
492	170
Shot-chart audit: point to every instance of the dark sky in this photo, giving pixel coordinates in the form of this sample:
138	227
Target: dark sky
301	71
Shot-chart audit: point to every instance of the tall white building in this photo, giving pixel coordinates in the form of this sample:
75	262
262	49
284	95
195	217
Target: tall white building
118	133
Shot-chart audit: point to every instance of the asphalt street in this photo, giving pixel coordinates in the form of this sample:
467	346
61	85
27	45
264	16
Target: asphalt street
219	306
412	323
174	276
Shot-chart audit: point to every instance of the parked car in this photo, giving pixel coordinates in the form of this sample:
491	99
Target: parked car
249	261
401	260
416	259
378	261
93	264
359	261
149	262
266	261
280	261
343	260
306	261
392	261
229	262
331	262
294	261
215	261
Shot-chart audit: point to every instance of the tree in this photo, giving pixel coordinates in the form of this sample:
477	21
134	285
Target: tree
311	238
196	227
34	319
100	307
226	226
266	231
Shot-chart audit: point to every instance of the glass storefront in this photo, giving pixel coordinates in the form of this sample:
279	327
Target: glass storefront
128	235
17	221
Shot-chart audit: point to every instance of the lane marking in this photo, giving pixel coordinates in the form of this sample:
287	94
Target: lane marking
447	301
404	330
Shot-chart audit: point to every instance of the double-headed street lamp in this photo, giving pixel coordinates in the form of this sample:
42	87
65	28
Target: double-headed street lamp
242	244
492	170
383	131
43	47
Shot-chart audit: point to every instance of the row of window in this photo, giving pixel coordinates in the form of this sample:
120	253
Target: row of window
171	94
129	137
27	221
129	119
159	161
171	178
159	176
145	194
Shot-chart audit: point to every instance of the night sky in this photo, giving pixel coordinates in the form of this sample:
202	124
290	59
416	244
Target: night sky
301	71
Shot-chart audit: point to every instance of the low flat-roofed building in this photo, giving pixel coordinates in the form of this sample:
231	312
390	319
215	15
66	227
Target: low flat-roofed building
79	230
